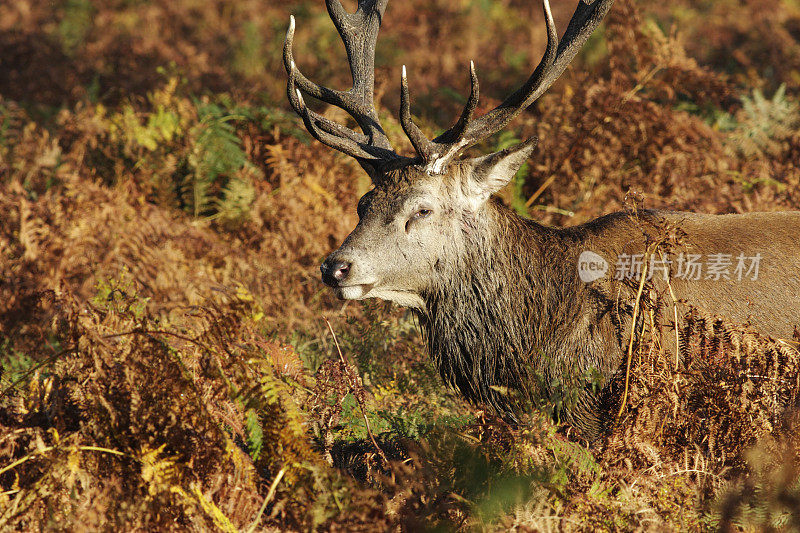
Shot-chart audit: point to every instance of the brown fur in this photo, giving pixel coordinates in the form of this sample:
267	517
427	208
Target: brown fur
507	317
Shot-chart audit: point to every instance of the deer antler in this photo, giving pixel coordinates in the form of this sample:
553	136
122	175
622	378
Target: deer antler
359	32
468	131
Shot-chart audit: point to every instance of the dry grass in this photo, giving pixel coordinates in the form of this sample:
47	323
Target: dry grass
165	362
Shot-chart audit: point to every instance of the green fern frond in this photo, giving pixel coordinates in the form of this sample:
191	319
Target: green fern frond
75	24
233	203
763	123
255	434
217	151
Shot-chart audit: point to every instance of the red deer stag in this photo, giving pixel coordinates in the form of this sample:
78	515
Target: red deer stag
511	307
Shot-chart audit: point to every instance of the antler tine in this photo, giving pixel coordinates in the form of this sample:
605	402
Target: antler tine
422	145
469	131
359	33
520	99
338	13
587	16
444	147
326	131
330	133
457	131
330	96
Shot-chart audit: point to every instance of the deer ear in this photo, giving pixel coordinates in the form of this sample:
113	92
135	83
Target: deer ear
490	173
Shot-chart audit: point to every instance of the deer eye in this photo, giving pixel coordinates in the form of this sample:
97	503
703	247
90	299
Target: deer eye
418	215
422	213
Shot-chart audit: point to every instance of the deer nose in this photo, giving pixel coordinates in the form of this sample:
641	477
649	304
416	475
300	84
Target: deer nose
335	272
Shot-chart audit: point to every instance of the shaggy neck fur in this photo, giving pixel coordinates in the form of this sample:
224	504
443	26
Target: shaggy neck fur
499	318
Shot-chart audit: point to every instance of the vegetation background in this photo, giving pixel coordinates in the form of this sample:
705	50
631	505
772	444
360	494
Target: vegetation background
166	362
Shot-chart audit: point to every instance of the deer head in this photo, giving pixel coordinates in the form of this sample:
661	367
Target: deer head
423	211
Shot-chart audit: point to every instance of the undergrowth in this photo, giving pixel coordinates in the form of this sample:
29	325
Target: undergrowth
171	361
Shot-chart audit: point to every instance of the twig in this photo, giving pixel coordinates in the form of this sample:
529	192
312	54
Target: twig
159	332
50	449
358	401
34	368
677	335
641	85
109	336
689	471
335	340
636	306
267	499
549	181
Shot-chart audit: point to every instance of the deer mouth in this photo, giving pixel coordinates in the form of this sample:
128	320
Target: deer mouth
353	292
402	297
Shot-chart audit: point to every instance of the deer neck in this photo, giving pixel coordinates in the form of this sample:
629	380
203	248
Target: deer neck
493	308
